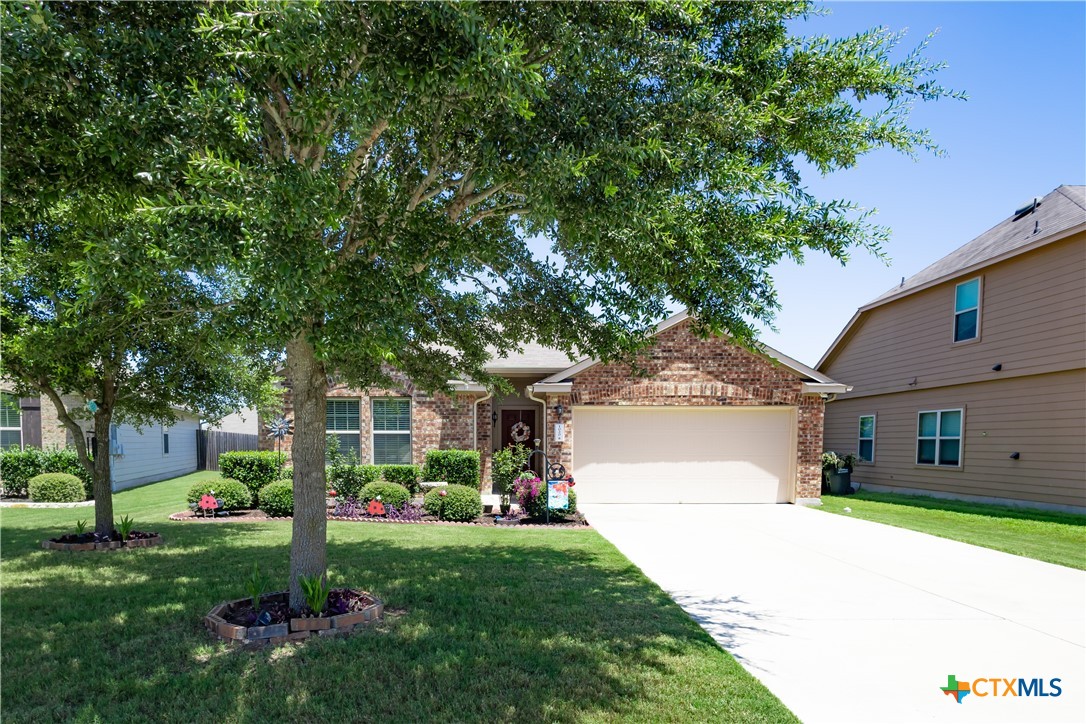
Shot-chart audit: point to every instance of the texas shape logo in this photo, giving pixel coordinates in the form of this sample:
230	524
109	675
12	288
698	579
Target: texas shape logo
955	688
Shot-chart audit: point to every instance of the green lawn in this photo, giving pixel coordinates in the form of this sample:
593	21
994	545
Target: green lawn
1047	536
488	625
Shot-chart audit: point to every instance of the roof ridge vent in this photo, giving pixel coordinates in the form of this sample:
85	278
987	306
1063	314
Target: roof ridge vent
1027	207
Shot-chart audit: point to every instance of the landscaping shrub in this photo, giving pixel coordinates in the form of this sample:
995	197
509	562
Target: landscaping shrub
348	480
62	460
56	488
252	468
277	499
405	475
506	464
17	467
390	493
286	473
459	503
531	495
455	467
234	495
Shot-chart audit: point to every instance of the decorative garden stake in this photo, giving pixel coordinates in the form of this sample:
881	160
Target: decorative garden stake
278	431
208	504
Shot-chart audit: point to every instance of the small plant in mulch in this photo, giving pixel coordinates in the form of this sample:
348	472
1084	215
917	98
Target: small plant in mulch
263	609
124	532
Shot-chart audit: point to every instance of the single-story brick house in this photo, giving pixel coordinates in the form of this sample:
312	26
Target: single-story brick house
710	423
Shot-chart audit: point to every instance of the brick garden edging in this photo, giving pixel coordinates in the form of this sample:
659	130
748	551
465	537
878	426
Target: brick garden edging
297	629
112	545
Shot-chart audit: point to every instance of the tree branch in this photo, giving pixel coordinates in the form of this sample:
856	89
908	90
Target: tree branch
69	422
361	153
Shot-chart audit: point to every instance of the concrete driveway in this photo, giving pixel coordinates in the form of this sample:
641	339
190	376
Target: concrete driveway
851	621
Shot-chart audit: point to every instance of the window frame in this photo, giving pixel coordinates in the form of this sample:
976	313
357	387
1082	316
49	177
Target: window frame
939	437
19	413
165	441
859	437
955	312
409	431
357	432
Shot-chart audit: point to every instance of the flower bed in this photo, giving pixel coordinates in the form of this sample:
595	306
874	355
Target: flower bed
347	610
93	542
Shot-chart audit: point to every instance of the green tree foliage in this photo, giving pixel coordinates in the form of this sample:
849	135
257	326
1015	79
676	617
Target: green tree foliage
94	307
383	166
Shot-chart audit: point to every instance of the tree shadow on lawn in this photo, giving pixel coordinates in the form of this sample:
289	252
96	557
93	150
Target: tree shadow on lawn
554	625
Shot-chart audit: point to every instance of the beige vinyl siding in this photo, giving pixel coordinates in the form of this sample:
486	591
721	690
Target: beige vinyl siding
1033	320
1042	417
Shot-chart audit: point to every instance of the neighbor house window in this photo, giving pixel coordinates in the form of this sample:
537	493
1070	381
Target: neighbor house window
391	431
939	438
967	310
11	423
865	443
341	420
165	440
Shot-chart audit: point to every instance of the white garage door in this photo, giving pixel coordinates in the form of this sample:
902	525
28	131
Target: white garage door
683	454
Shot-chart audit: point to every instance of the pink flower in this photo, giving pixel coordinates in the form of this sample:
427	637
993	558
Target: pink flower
443	493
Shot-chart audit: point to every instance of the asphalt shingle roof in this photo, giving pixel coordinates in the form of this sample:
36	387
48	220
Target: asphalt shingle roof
1063	208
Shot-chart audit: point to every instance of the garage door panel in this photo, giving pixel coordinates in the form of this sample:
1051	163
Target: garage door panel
687	455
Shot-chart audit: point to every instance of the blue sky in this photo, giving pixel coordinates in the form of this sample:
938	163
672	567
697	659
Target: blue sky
1021	133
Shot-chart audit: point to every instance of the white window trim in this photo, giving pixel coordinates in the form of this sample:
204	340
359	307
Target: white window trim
874	431
358	432
955	312
938	437
409	431
18	429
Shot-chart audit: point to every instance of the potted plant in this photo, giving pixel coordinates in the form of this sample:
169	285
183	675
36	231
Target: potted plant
504	467
835	475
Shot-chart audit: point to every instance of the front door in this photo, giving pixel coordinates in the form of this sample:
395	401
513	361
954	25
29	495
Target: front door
509	420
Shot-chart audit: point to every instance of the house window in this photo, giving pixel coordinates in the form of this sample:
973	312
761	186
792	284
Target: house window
391	431
865	442
341	420
165	440
11	423
939	438
967	310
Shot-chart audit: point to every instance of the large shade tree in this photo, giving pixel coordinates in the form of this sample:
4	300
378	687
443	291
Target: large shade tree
97	316
395	159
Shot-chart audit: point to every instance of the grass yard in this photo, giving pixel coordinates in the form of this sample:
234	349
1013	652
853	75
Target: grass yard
1047	536
495	624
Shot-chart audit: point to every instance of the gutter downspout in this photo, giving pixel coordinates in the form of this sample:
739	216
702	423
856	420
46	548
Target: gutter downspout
475	420
530	390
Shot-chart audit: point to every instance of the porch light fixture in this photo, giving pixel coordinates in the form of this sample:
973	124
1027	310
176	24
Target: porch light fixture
558	409
494	417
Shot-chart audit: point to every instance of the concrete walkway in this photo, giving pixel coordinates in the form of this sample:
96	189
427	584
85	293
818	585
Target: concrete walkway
851	621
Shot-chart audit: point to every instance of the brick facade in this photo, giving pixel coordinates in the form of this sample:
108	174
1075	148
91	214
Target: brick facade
681	368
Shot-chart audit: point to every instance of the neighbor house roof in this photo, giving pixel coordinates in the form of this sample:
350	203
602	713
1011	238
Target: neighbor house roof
816	381
1056	216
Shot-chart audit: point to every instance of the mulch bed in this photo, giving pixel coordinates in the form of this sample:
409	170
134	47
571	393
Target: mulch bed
74	542
347	610
251	516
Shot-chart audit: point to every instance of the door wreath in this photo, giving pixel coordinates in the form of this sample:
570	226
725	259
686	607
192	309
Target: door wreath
520	432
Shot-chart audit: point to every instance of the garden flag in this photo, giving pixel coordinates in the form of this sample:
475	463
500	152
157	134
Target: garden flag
557	494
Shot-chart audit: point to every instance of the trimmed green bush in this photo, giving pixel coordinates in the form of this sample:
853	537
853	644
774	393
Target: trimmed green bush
405	475
62	460
506	464
17	467
277	499
234	495
390	493
536	505
56	488
252	468
348	480
455	467
460	503
286	473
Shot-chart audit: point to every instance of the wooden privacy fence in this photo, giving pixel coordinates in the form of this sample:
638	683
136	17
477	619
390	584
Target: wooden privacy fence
210	443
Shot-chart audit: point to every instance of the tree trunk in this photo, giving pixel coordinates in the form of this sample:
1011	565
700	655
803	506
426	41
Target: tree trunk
103	486
308	545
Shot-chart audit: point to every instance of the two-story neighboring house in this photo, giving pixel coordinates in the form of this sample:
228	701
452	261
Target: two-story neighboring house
969	379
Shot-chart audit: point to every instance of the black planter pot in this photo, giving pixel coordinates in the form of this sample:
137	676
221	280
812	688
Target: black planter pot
840	482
